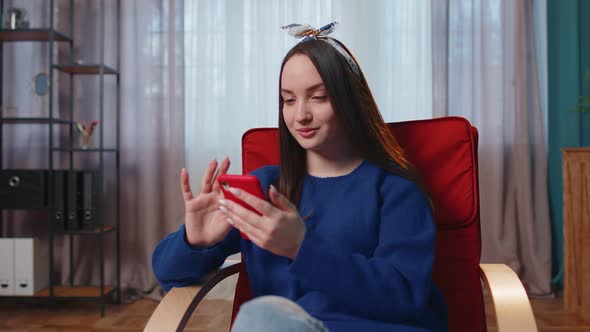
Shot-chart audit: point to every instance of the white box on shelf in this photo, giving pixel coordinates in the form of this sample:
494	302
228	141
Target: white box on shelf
31	266
6	266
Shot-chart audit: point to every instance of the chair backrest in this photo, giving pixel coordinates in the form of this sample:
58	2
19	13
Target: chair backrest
444	150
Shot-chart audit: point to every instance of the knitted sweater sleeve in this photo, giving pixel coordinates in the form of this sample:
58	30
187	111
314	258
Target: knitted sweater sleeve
177	264
394	283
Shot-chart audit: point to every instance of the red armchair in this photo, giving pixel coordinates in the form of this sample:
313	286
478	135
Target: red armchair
444	150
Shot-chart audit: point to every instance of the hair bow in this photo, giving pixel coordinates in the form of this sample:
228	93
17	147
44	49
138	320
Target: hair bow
306	32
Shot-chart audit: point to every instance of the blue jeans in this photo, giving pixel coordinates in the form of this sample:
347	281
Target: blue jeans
275	313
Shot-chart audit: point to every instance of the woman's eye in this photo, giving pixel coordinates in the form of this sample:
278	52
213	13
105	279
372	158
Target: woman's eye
320	98
289	101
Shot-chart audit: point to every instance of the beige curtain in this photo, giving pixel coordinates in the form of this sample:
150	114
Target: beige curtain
485	69
152	131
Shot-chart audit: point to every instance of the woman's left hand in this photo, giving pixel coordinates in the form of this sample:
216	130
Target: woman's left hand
279	230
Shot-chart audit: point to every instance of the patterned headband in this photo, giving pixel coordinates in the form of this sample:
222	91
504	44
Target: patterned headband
306	32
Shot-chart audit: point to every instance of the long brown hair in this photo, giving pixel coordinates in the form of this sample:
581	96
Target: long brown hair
355	107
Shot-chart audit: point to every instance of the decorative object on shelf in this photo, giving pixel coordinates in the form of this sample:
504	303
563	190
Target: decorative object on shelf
16	19
86	132
40	84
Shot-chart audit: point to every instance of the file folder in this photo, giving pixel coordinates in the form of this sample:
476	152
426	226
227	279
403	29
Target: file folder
72	204
6	266
31	266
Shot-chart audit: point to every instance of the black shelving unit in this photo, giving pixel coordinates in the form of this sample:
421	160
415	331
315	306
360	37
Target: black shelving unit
34	120
100	70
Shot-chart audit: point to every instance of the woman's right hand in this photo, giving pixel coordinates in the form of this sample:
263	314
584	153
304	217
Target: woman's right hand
205	224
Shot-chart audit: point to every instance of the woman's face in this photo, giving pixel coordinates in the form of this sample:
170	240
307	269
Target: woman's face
307	109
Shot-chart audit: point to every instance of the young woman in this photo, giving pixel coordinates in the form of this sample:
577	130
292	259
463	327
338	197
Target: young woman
346	240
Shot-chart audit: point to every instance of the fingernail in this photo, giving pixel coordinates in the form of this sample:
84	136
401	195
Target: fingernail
222	202
273	188
231	222
235	191
223	209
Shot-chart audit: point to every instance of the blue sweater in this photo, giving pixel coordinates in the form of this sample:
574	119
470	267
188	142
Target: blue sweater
365	263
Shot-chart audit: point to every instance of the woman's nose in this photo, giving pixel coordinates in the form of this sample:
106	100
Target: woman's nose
303	113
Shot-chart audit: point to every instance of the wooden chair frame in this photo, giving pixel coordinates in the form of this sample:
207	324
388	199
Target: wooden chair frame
511	304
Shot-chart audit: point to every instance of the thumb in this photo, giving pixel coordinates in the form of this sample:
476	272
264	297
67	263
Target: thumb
279	200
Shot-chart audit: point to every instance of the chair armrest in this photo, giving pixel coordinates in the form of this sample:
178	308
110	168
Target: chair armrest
176	308
511	303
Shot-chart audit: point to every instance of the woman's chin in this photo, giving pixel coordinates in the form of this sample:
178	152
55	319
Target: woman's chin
308	146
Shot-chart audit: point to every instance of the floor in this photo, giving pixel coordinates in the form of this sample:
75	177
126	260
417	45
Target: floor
550	316
211	315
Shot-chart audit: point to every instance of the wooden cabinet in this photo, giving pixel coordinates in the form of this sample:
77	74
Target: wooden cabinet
576	229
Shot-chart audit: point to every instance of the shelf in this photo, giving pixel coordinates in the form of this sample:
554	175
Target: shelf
34	121
85	69
96	231
75	291
107	227
66	292
9	35
84	150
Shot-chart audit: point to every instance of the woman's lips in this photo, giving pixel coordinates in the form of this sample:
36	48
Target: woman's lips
307	132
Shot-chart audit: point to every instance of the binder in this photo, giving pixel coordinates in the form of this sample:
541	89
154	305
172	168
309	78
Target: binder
31	266
23	189
72	203
59	198
88	190
6	266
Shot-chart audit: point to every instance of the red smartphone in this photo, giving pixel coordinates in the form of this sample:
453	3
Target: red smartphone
248	183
